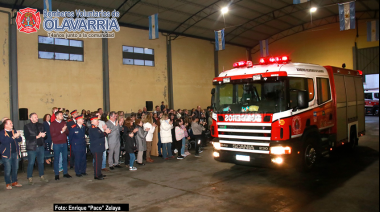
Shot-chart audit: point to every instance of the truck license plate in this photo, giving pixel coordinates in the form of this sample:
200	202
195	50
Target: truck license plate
243	158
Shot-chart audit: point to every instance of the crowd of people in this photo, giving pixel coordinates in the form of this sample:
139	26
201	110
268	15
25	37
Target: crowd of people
111	134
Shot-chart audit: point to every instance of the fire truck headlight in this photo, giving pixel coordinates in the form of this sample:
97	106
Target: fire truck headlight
216	154
279	150
216	145
278	161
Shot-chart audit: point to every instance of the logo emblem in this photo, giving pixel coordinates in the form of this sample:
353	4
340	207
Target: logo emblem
297	125
28	20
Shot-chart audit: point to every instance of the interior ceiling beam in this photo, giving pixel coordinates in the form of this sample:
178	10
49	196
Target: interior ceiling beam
131	5
308	26
261	20
261	13
208	11
125	1
272	8
194	15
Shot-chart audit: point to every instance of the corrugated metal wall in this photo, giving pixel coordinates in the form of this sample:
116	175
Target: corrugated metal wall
368	60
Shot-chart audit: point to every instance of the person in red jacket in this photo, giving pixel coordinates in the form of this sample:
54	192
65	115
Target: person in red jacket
59	133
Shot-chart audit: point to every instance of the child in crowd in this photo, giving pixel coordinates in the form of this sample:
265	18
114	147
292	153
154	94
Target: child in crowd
130	148
179	135
185	141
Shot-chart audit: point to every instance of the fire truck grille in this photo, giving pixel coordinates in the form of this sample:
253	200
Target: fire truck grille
245	133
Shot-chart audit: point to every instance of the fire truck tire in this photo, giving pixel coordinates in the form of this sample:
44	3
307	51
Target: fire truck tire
310	153
354	141
375	111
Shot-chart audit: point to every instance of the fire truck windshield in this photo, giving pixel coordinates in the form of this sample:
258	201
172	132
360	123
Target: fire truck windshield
265	96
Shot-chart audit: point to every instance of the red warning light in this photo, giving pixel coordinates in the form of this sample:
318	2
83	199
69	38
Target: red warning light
243	64
283	59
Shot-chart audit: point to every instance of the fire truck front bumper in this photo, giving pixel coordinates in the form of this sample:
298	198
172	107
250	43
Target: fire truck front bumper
262	159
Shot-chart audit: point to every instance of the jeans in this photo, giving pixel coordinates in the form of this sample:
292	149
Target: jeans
60	161
132	159
60	149
167	150
104	165
10	168
32	155
183	146
159	144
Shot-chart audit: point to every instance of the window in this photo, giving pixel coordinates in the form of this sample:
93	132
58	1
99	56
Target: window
60	49
324	92
302	84
368	96
376	95
138	56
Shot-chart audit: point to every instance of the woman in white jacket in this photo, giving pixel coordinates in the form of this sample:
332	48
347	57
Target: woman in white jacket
149	138
166	137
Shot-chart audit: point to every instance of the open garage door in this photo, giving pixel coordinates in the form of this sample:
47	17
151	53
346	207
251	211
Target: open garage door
368	60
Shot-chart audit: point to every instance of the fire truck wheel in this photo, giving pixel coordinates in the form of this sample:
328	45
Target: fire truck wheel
354	141
310	154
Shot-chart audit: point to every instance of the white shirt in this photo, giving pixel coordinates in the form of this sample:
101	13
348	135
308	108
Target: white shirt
114	123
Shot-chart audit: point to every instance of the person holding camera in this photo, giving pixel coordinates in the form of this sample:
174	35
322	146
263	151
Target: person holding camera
197	128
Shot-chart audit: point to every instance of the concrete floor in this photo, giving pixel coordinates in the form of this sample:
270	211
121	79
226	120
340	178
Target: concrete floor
347	183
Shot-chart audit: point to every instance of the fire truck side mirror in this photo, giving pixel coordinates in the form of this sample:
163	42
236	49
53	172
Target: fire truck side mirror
303	100
213	91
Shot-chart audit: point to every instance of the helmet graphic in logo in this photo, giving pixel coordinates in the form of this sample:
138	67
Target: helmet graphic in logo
28	20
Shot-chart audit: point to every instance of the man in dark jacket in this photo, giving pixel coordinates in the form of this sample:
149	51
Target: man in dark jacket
97	146
130	148
198	113
35	134
10	151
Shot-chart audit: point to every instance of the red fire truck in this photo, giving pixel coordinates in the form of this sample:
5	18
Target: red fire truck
372	102
278	112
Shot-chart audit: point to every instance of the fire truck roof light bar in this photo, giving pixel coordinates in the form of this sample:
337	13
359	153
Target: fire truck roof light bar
241	64
269	60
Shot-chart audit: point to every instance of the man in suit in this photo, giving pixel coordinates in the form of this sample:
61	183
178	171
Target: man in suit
78	145
97	146
114	141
